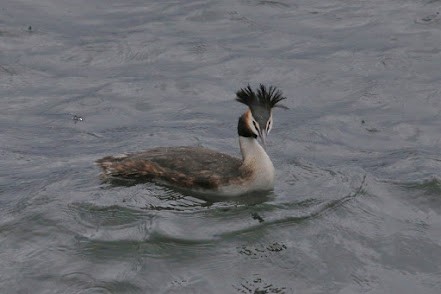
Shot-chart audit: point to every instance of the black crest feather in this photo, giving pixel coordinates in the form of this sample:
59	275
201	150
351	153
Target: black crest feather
263	96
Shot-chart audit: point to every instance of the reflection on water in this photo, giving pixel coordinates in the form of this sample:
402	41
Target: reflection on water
356	207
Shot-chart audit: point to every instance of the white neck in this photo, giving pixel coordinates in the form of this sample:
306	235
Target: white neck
256	159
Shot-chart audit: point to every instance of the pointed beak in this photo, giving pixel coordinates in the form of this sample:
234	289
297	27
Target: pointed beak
262	136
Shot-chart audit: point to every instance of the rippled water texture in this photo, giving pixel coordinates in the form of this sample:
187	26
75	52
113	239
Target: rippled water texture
357	203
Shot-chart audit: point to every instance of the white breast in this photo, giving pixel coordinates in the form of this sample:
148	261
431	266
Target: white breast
258	161
255	159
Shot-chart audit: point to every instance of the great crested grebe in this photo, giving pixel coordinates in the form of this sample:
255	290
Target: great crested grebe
208	171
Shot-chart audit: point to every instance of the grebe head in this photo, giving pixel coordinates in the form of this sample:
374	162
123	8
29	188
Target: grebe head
257	122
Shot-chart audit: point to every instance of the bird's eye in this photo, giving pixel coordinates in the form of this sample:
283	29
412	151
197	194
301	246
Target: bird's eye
255	125
268	126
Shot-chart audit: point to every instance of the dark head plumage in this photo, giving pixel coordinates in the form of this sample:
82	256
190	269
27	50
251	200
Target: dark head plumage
257	122
263	97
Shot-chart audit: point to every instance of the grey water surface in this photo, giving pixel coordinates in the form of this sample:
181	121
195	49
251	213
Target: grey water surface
357	202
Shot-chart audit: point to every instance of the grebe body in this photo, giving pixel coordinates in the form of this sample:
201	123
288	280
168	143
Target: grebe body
208	171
